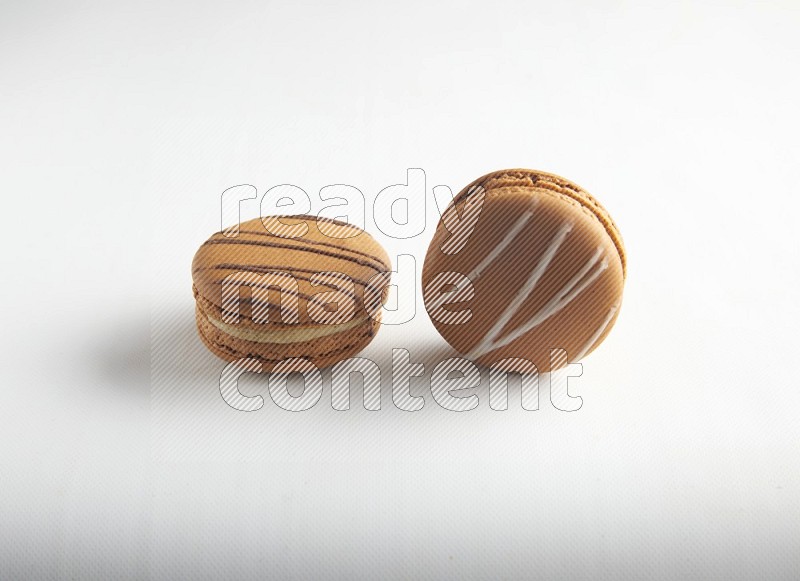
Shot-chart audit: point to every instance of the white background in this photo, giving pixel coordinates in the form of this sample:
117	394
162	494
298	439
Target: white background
121	125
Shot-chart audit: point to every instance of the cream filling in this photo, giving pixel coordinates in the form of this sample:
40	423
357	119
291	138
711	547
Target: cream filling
283	335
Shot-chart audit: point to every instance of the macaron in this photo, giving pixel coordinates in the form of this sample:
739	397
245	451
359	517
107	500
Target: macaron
286	287
524	264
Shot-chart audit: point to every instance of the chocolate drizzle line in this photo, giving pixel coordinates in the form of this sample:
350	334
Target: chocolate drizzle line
266	268
318	243
298	248
299	277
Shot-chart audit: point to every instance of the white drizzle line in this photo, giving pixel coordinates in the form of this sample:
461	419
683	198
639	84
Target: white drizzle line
597	333
489	258
476	272
488	342
561	299
462	284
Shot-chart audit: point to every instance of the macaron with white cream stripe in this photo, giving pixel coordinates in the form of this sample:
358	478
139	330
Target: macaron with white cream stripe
524	264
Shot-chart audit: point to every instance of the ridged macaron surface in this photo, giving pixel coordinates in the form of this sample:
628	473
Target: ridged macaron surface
543	268
289	287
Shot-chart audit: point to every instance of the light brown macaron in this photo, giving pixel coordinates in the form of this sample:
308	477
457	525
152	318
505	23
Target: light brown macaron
289	287
542	269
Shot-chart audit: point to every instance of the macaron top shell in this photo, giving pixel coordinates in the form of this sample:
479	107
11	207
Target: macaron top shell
255	250
534	179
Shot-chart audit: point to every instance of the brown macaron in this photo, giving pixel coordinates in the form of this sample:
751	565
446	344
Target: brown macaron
541	268
287	287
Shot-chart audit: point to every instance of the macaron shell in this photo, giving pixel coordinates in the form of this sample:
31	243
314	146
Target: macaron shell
577	325
535	179
321	352
255	251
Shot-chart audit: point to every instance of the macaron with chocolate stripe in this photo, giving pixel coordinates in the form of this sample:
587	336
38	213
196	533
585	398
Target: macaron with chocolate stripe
288	287
522	263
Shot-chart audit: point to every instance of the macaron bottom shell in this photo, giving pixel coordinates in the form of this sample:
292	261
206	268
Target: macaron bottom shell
322	352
